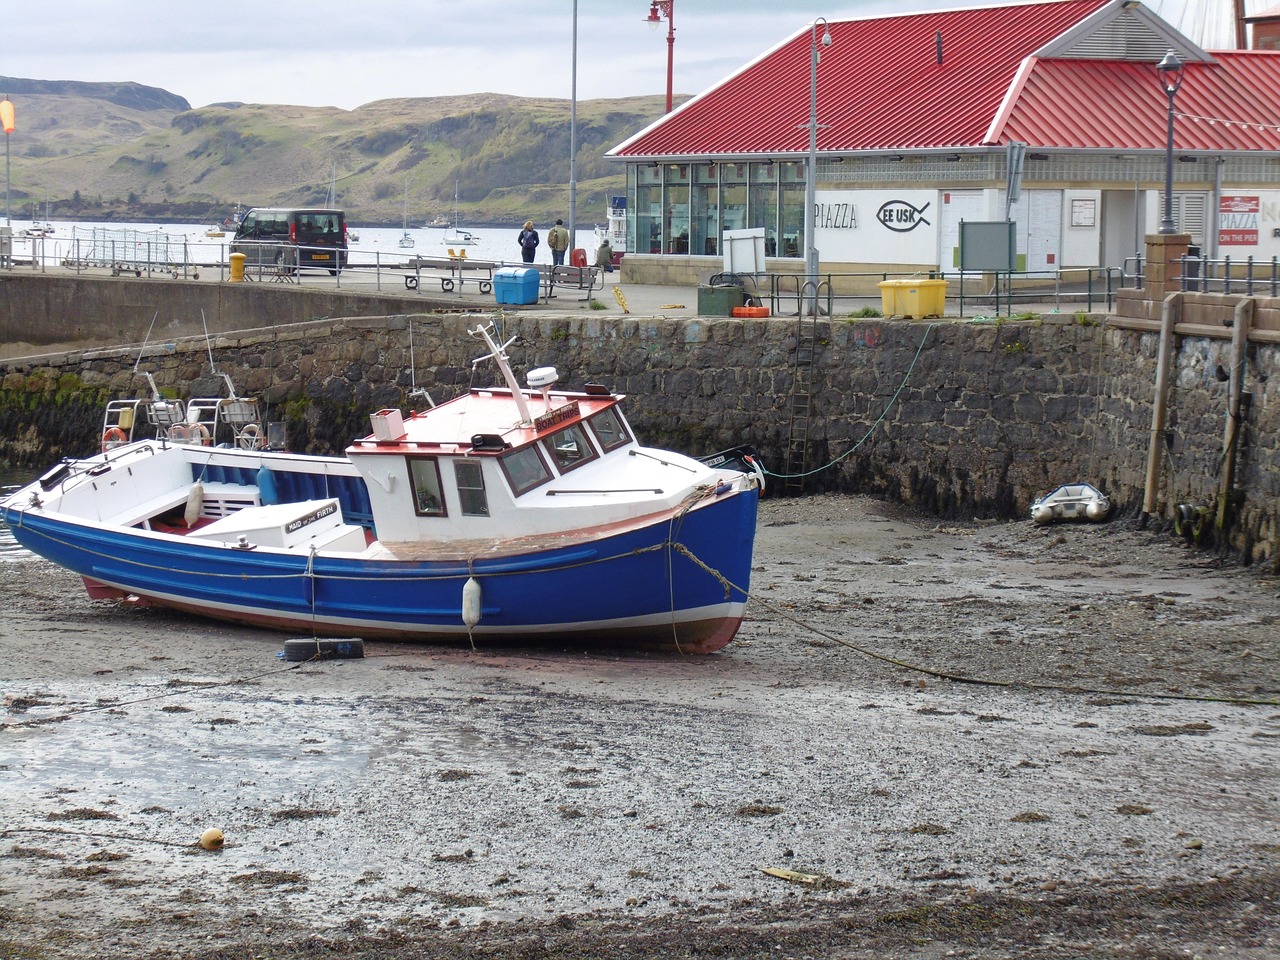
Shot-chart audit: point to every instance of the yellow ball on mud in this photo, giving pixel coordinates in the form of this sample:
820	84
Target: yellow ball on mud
211	839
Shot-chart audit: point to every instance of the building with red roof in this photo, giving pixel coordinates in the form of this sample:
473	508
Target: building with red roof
916	115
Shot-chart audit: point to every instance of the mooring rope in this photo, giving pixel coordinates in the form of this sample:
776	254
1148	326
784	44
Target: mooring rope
959	678
902	385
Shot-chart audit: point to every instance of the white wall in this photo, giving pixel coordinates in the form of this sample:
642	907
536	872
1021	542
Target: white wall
877	226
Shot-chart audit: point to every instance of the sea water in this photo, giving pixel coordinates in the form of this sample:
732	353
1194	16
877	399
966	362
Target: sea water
11	481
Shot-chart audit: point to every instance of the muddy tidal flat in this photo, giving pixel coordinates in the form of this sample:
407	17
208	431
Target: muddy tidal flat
928	740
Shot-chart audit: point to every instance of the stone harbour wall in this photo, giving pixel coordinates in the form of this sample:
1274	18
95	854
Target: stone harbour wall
962	420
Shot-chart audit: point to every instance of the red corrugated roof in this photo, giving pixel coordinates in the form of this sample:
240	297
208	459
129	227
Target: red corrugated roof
880	87
1230	105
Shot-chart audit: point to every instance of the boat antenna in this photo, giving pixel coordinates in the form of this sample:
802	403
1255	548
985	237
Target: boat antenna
151	381
499	353
414	389
142	349
208	344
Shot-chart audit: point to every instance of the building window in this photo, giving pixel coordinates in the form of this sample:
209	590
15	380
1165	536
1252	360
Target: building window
733	197
762	208
791	207
704	232
675	227
684	208
471	495
424	475
647	206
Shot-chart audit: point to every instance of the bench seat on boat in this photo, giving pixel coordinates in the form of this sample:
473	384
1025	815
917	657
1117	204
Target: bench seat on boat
219	500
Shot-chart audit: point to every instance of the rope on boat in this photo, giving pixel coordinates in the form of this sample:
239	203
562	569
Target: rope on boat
953	677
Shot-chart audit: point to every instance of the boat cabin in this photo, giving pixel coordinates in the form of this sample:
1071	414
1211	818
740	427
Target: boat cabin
469	462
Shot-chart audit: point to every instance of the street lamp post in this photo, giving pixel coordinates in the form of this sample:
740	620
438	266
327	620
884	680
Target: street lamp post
810	188
1170	69
573	137
6	120
657	10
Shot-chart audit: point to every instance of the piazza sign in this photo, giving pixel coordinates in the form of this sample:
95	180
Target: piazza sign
1238	221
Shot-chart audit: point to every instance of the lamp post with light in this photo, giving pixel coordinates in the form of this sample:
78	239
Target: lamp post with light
657	10
1170	70
810	188
6	120
573	137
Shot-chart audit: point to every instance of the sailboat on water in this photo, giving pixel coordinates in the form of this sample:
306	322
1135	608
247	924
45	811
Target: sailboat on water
406	239
331	201
456	235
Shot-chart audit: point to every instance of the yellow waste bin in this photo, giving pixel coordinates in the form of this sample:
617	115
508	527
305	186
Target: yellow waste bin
237	267
913	298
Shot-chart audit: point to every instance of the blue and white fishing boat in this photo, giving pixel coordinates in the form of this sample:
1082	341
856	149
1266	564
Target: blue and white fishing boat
506	514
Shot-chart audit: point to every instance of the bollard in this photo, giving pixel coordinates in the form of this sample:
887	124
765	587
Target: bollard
237	267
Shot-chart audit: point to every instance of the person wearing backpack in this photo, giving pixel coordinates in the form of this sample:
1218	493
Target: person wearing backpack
528	241
558	241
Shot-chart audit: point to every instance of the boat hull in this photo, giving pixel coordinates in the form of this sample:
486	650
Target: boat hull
679	580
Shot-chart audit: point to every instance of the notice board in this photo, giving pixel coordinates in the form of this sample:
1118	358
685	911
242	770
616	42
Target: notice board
988	246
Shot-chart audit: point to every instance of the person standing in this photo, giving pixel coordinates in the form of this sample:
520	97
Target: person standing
528	241
558	241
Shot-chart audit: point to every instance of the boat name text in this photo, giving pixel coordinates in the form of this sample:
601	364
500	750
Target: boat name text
293	526
558	415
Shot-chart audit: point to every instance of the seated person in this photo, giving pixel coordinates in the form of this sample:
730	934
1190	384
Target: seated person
604	256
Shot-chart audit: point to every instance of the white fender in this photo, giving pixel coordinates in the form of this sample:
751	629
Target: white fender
471	602
195	502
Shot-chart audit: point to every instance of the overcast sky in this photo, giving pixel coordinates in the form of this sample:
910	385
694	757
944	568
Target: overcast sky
330	53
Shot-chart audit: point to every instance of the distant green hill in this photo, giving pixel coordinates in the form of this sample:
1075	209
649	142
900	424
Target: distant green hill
122	151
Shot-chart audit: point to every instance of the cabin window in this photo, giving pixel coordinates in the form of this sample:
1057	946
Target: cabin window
471	493
424	475
525	469
609	429
570	448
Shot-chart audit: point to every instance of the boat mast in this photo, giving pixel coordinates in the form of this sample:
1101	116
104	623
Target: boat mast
500	355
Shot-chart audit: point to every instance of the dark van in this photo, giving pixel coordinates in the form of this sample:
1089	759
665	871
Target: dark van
283	237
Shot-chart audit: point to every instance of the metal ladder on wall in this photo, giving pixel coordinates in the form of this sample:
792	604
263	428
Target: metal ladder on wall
801	403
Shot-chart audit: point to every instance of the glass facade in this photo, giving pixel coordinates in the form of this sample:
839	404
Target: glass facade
685	208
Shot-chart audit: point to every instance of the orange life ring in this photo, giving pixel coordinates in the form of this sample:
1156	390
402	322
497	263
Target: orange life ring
179	433
112	437
200	434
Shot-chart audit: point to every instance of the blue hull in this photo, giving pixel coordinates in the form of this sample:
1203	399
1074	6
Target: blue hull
680	582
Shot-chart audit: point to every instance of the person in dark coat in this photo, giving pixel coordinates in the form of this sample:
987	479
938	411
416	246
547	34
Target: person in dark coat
528	241
604	256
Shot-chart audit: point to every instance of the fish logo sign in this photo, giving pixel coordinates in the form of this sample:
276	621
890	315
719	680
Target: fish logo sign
901	217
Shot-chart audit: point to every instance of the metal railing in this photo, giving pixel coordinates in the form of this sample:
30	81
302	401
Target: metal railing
1242	276
1086	288
787	294
134	253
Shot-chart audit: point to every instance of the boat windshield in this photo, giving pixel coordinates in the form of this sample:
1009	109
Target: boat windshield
609	429
525	469
570	447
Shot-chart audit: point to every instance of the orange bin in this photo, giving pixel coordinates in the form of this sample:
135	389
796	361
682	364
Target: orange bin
756	312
